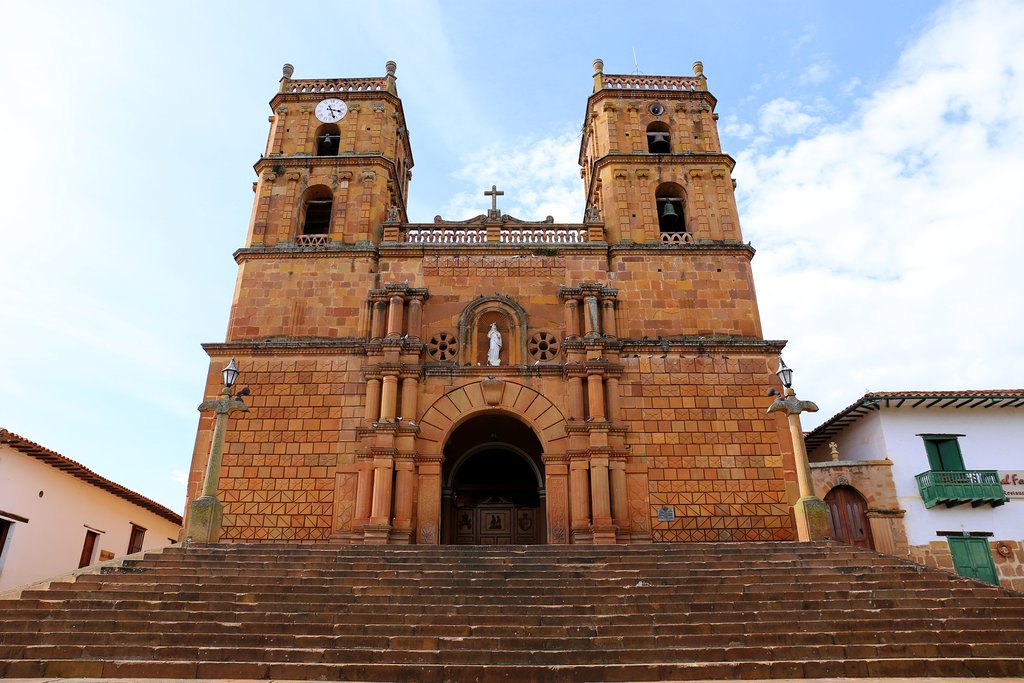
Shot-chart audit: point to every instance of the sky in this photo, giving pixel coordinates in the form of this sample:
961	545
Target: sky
879	151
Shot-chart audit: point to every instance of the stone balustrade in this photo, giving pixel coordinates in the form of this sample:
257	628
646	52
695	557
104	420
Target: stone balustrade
676	238
641	82
507	235
336	85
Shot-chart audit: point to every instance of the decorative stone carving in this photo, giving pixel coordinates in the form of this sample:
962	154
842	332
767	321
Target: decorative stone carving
494	350
443	346
542	346
492	389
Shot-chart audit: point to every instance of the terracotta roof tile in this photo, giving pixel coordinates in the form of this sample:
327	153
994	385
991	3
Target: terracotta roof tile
875	400
82	472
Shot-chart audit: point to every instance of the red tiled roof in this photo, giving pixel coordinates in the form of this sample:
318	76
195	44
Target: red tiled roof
876	400
82	472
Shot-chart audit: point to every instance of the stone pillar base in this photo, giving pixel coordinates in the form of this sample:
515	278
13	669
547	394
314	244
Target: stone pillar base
401	536
811	519
604	536
204	520
580	536
376	535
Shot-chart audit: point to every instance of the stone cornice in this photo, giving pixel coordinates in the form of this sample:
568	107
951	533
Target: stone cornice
284	347
484	371
646	158
299	161
704	246
702	344
287	250
313	97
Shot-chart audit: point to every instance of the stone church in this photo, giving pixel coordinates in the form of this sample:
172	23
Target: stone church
497	380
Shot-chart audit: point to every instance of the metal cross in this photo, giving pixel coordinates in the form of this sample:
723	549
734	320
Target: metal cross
494	194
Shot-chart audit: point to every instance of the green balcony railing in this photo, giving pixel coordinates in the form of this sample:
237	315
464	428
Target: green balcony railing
950	488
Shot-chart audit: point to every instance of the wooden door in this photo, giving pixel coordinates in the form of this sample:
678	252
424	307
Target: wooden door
496	522
847	511
972	558
87	549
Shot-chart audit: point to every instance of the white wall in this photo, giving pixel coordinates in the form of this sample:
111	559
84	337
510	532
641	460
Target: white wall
51	542
993	440
863	440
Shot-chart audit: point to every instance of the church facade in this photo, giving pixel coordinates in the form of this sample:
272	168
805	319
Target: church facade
496	380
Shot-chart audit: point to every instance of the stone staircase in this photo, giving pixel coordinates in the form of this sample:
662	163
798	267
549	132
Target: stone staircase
537	613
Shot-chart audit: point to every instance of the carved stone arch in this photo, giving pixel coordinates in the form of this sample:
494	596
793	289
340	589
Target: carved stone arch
534	409
475	321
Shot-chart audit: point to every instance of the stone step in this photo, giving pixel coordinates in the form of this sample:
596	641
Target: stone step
452	673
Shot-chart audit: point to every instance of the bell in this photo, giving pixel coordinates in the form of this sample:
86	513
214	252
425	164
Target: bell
669	211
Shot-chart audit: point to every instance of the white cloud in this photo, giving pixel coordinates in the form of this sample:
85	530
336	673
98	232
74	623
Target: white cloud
818	73
540	178
784	117
889	242
179	476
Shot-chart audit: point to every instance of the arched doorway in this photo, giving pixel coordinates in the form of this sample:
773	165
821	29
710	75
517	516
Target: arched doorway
847	511
493	484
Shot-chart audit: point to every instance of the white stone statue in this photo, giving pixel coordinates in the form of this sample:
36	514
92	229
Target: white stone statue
495	348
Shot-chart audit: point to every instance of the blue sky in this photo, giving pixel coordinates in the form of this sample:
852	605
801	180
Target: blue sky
879	150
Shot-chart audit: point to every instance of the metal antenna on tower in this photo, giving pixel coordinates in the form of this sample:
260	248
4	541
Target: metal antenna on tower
636	66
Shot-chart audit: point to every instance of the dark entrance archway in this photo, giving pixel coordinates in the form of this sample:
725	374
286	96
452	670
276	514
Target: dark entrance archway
493	484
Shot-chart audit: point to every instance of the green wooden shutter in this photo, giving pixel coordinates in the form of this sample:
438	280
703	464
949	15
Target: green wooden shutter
944	454
972	558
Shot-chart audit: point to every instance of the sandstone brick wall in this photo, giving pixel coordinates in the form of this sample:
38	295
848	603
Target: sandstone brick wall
301	298
278	473
712	452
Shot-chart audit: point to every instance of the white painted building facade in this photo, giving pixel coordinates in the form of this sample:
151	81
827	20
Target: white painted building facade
986	428
57	515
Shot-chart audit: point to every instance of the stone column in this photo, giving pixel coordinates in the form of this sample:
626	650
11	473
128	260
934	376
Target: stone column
379	320
595	389
395	312
372	400
608	317
364	491
404	480
600	498
389	397
576	398
591	321
410	385
612	390
415	318
579	494
380	512
572	327
620	503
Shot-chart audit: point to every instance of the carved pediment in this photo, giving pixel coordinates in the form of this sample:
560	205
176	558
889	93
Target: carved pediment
484	219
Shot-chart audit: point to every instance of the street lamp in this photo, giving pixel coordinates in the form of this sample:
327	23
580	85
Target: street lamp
205	512
811	512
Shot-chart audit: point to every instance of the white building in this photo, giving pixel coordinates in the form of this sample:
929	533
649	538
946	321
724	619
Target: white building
57	516
931	475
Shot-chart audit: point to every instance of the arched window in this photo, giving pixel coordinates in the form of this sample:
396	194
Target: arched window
658	138
316	210
328	139
671	207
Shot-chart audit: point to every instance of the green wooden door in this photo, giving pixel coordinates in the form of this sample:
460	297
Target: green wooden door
972	558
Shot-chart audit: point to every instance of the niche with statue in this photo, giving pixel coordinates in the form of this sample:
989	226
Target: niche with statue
492	332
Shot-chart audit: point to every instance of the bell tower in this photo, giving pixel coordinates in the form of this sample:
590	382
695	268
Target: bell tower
652	162
337	162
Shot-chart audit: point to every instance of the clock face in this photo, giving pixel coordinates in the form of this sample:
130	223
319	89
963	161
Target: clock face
331	110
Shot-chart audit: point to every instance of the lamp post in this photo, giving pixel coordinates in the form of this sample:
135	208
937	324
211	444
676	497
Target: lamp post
205	513
810	511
